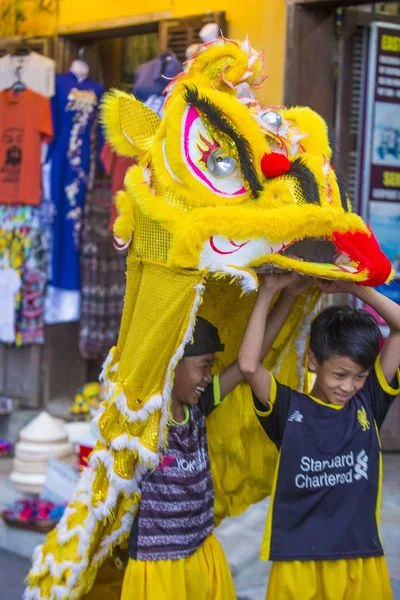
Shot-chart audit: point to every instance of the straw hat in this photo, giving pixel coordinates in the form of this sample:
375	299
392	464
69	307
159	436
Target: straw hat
44	429
42	452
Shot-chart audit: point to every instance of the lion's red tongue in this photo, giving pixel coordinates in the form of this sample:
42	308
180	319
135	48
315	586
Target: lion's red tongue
365	250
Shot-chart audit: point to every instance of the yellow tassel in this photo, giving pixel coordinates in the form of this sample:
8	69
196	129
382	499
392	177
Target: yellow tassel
125	222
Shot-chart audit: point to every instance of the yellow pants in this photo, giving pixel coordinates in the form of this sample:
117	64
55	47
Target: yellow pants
204	575
353	579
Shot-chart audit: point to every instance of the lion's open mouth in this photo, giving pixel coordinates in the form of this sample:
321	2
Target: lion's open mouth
320	253
312	250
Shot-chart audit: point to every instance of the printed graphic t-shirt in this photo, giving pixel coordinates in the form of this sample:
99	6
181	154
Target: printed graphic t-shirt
25	122
325	504
176	512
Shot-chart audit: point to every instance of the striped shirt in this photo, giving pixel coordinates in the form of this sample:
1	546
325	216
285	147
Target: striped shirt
176	512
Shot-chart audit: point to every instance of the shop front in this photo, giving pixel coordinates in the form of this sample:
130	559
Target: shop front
315	55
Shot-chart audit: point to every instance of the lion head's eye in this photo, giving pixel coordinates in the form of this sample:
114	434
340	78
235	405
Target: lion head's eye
220	164
207	161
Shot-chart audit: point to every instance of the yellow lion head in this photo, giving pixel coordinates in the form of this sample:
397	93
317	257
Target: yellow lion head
226	185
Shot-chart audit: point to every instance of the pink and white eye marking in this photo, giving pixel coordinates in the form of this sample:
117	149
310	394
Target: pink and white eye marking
196	147
224	246
219	250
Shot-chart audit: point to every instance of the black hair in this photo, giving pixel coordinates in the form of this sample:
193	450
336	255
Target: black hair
346	331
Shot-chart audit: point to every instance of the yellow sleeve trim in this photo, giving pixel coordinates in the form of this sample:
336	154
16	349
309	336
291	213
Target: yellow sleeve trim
217	391
272	398
382	381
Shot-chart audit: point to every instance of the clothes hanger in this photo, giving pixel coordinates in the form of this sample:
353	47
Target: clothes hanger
18	85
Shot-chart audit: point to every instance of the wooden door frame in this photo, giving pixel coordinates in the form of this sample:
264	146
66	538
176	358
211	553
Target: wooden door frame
309	80
310	45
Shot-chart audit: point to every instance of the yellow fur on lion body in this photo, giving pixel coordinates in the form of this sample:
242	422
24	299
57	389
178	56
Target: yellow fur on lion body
170	216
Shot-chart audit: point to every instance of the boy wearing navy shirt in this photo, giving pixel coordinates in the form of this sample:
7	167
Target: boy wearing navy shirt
323	525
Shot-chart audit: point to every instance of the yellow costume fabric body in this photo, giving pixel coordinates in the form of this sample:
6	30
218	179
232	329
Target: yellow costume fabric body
354	579
202	576
223	190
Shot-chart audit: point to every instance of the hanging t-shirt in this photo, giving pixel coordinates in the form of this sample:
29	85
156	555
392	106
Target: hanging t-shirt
25	122
10	283
325	504
73	152
36	71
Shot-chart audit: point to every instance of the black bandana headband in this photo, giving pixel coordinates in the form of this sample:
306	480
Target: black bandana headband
205	339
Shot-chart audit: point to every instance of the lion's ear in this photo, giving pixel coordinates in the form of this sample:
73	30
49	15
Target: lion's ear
310	122
130	126
221	65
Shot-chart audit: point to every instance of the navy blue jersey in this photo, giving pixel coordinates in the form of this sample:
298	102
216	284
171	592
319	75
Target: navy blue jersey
327	490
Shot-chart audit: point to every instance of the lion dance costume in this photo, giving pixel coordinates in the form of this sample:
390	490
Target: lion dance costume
223	189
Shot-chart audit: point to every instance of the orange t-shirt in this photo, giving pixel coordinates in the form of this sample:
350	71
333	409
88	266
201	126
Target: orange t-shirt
25	122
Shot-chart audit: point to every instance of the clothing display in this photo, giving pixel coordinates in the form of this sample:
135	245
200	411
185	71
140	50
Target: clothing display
103	276
72	155
36	71
10	284
22	249
25	122
31	326
152	77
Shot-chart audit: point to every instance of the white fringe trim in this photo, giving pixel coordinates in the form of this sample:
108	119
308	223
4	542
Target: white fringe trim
247	280
150	406
109	390
94	425
37	561
115	536
106	365
33	594
124	441
169	382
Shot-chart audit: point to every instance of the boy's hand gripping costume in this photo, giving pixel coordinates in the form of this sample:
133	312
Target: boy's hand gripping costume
223	189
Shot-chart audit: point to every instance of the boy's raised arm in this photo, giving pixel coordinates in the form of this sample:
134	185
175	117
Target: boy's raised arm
390	312
232	376
257	338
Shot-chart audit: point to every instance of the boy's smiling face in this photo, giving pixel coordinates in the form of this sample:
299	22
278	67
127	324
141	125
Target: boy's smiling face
338	379
192	375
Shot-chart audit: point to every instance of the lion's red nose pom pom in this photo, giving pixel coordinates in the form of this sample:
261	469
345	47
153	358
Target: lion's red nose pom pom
274	164
365	249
